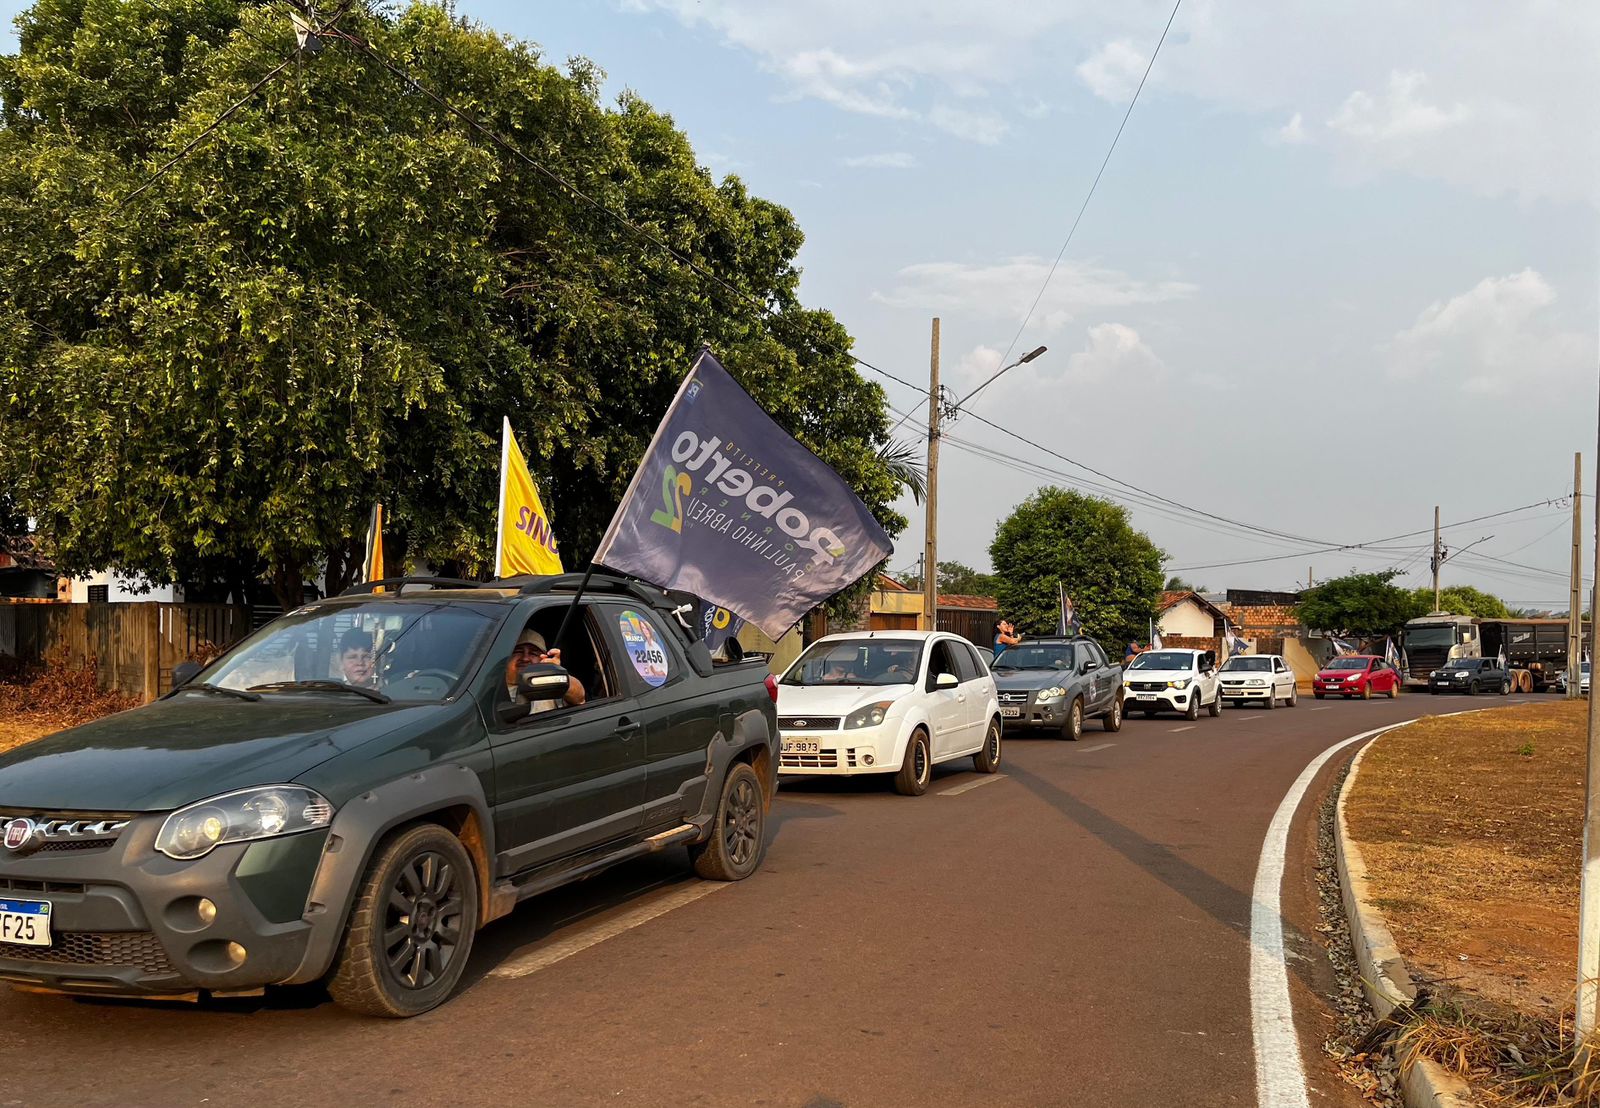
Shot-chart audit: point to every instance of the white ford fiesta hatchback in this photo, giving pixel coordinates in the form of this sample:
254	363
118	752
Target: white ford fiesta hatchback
891	702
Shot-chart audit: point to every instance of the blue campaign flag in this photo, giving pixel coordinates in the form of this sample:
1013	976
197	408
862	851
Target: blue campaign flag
726	505
717	625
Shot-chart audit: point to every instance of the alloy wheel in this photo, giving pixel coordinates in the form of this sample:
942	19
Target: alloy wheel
741	823
422	927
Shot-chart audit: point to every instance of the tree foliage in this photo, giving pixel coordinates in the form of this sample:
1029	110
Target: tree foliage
1111	571
1464	600
1360	604
954	577
336	296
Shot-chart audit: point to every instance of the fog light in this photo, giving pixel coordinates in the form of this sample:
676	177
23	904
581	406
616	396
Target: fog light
236	954
867	758
207	912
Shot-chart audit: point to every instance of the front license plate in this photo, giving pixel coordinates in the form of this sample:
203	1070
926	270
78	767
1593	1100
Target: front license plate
1010	713
1147	696
25	922
802	746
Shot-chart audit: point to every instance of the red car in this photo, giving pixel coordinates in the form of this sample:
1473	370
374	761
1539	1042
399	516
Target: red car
1356	675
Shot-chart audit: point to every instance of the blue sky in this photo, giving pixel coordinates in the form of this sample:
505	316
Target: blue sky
1341	267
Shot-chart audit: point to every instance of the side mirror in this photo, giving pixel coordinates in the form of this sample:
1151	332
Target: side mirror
543	681
1085	666
946	681
184	672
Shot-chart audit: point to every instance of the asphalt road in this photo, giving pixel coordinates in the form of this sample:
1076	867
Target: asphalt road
1074	932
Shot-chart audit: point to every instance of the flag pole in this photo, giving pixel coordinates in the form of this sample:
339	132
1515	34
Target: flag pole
500	504
572	609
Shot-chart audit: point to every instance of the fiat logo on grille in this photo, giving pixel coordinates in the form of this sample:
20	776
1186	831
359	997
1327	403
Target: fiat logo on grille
18	832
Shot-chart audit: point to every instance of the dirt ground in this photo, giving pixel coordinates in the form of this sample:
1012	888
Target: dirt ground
1471	828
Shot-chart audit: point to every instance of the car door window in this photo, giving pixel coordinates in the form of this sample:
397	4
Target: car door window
962	660
584	654
970	654
940	661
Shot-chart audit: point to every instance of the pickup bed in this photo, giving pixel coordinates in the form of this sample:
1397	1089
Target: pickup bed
350	793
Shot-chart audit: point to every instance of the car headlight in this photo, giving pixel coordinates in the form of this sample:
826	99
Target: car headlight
243	816
1257	682
1180	683
870	716
1054	692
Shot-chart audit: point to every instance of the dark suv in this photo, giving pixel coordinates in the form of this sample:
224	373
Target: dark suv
1471	676
351	792
1057	683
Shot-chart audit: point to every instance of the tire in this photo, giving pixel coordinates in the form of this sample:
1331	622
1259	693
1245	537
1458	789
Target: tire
738	833
1472	689
1272	699
1294	695
1505	687
1193	710
1366	691
1216	706
917	769
425	868
987	760
1112	720
1072	726
1394	690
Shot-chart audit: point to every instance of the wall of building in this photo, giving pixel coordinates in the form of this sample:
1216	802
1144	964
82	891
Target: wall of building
1187	619
124	589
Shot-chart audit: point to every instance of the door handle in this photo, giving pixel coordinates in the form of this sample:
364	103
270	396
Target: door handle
627	728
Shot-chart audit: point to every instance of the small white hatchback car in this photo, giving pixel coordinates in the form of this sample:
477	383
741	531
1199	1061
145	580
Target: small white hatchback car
1266	678
1171	680
891	702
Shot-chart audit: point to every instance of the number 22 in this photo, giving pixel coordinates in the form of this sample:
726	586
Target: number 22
673	486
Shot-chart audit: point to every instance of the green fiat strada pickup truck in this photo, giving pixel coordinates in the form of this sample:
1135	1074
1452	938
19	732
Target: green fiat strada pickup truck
350	793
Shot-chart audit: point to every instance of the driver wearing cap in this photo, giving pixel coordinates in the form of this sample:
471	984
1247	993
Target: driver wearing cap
531	650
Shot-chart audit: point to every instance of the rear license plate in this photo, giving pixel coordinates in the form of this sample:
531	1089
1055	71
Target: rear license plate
25	922
802	746
1010	712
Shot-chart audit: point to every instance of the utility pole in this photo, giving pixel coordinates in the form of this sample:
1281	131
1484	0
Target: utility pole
1589	886
1575	600
1438	557
930	547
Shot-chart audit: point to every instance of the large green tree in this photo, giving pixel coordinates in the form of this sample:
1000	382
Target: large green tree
1111	571
1463	600
335	295
1360	604
955	577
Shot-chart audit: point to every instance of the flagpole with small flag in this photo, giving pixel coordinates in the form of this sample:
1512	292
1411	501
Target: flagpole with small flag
372	569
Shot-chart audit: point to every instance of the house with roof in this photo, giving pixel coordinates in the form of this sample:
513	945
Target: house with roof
1188	620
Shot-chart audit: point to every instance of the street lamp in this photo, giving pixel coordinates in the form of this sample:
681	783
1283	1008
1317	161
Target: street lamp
1024	360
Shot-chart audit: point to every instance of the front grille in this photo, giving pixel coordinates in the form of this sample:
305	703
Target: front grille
114	949
1148	686
1012	697
809	723
828	759
61	831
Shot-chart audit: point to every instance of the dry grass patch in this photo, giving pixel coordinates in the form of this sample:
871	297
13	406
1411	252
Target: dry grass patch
39	701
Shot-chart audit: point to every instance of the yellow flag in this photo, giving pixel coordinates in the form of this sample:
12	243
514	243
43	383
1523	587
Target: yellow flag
525	542
374	567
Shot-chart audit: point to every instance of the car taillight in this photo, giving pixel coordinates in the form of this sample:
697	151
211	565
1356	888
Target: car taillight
772	687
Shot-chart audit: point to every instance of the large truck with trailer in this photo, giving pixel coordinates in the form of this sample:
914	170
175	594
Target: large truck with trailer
1535	649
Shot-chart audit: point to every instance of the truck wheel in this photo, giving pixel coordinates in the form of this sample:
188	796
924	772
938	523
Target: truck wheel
739	832
412	926
917	769
1216	705
987	760
1112	720
1193	709
1072	728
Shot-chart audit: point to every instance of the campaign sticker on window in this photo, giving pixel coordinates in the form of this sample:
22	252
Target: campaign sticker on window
645	650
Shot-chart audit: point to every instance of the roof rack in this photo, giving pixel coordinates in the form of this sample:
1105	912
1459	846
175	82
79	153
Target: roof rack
398	583
601	583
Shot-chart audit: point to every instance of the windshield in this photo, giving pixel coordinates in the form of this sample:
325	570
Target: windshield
1461	663
1164	659
409	652
1347	663
1248	665
1055	655
857	662
1430	636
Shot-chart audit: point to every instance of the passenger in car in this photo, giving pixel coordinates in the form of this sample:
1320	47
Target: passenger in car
531	650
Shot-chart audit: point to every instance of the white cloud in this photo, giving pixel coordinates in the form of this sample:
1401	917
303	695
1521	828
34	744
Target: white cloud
985	127
888	160
1293	133
1399	114
1498	334
1113	71
1115	350
1003	290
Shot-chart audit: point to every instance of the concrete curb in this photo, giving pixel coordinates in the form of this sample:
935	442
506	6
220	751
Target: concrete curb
1383	971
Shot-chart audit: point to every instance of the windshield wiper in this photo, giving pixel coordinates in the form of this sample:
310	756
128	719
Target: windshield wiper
206	686
323	686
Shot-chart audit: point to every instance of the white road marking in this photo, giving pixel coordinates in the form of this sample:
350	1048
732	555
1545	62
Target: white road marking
1175	730
547	956
968	786
1324	708
1280	1076
1092	749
